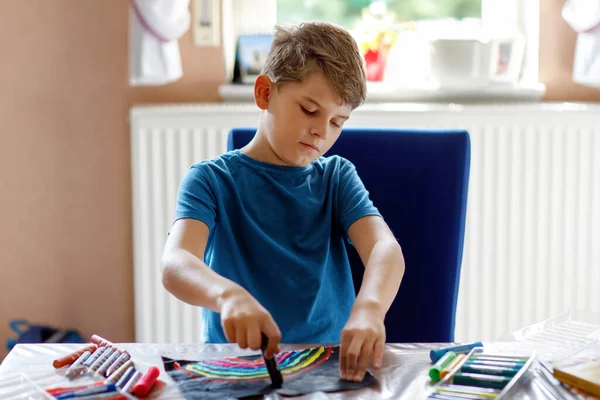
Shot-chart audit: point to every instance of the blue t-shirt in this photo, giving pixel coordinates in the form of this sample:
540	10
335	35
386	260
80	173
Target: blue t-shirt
279	232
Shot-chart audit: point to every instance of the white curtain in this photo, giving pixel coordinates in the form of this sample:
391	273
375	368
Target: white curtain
584	17
155	28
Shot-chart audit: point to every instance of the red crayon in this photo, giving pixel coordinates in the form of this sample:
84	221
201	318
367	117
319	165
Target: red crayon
143	386
71	357
60	390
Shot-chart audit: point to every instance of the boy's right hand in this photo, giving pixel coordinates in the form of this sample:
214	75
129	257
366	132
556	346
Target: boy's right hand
243	319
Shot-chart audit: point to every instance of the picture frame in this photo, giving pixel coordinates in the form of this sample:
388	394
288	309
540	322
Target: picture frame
509	53
250	55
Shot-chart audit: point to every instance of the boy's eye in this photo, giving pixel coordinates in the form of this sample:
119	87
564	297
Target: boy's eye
307	112
336	125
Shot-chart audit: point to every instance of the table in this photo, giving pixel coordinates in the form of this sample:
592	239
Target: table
403	376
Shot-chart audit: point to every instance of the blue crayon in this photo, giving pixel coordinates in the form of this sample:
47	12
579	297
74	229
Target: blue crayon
93	390
503	364
456	396
461	349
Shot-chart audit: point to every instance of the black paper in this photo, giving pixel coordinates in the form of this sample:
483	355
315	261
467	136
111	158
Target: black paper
304	371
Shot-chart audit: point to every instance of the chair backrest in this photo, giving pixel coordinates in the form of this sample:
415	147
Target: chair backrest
418	179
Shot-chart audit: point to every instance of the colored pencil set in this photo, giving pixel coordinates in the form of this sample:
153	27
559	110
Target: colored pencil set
103	359
468	372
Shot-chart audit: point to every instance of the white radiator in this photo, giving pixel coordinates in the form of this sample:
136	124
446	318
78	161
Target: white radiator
532	245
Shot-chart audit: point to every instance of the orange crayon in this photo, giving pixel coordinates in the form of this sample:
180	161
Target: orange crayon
71	357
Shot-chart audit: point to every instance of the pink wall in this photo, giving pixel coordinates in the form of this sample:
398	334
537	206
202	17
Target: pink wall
65	230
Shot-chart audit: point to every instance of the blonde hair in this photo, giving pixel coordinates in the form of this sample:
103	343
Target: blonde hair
296	51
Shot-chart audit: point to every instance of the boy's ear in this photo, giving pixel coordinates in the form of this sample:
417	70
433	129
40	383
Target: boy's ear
263	87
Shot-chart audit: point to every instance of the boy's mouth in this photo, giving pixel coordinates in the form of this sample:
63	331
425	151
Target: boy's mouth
310	146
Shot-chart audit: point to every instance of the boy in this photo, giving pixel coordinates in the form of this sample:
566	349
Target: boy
258	237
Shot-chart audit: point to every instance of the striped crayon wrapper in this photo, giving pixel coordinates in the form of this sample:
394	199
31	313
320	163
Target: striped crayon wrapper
72	357
77	367
110	361
102	359
115	376
128	388
95	355
118	363
126	376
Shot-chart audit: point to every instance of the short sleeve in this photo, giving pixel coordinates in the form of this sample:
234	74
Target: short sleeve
353	199
196	198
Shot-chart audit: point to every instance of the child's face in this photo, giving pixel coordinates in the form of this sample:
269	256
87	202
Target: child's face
302	120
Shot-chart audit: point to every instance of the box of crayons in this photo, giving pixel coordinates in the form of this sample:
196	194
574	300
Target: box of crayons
478	374
112	372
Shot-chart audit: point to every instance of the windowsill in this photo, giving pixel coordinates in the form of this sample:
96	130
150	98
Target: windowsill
382	93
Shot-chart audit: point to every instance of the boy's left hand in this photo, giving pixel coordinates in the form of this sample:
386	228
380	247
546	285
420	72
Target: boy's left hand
362	342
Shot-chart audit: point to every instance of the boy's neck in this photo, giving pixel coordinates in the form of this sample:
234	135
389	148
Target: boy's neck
259	149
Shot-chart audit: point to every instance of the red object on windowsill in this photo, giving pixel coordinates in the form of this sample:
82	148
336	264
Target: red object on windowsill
375	62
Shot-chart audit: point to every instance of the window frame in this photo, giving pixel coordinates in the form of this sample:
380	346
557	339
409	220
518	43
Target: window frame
259	16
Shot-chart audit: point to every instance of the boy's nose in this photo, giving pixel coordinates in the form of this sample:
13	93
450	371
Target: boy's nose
319	130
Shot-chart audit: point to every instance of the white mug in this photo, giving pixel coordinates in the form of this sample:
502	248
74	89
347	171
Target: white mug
468	63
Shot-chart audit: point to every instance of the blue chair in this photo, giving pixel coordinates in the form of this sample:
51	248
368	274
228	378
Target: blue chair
418	179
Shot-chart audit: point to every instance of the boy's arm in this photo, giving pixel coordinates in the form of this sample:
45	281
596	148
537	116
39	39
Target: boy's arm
188	278
185	275
363	337
384	263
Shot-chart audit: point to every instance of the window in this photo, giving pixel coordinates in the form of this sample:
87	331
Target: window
403	29
389	32
348	12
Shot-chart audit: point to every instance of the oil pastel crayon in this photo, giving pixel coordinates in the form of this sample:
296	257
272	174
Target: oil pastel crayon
77	368
94	390
497	357
95	355
443	362
450	367
143	386
109	361
115	376
126	376
456	396
118	363
488	370
466	390
504	364
480	380
100	341
55	391
72	357
271	364
436	354
102	359
128	388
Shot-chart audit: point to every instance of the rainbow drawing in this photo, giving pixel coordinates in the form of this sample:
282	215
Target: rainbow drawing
291	363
